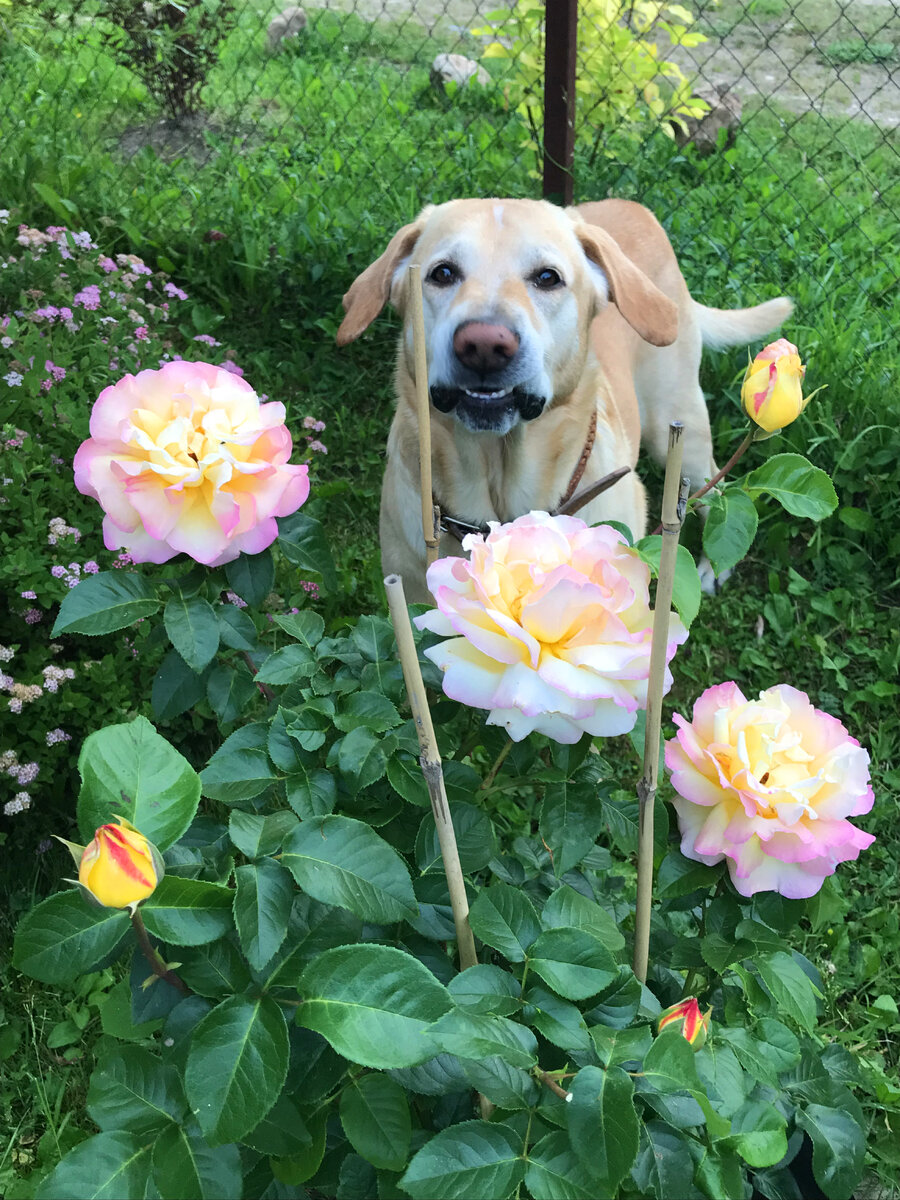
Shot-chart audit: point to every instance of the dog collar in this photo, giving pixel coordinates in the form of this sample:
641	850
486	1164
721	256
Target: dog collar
568	504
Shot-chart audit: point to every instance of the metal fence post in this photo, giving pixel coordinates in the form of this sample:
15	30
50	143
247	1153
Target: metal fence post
561	33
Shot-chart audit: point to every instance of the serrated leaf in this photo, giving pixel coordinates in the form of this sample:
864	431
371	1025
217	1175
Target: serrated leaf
302	540
839	1149
375	1116
105	1167
574	962
475	839
603	1124
472	1035
264	893
185	1167
677	876
307	627
105	602
505	919
233	775
486	989
131	1089
686	590
790	987
229	692
256	835
251	576
664	1167
472	1159
374	1004
565	906
368	710
64	936
193	629
175	688
554	1171
799	487
287	665
571	821
338	860
236	628
236	1066
133	772
187	912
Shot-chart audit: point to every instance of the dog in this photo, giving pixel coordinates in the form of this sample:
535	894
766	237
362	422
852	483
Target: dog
558	341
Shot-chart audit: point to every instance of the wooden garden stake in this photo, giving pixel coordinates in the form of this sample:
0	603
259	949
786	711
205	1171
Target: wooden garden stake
431	517
430	760
675	492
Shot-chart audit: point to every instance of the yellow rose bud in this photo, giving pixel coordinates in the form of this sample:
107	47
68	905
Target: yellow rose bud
772	391
120	867
694	1025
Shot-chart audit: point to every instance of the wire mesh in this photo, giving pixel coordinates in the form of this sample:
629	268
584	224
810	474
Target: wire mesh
337	117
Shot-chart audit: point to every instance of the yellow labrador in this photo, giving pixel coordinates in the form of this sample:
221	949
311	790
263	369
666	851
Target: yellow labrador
558	341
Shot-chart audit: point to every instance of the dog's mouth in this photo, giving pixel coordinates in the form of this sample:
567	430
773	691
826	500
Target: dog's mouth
486	408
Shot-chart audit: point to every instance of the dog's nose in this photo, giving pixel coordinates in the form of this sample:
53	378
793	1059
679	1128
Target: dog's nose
484	348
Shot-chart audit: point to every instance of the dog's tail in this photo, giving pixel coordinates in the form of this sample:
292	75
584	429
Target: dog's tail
723	327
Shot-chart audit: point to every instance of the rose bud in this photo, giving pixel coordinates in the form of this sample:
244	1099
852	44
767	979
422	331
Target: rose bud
772	389
687	1014
120	867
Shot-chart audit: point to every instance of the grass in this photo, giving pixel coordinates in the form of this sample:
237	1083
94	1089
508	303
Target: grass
308	163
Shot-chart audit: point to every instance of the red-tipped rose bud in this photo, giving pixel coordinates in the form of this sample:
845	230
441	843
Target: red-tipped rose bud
686	1014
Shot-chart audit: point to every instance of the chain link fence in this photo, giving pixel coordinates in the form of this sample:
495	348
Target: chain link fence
338	121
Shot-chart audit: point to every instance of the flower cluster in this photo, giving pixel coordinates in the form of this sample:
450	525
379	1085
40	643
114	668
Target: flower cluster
549	627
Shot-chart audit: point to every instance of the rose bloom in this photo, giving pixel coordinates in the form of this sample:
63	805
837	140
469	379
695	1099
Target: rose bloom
120	867
186	460
553	627
772	391
768	785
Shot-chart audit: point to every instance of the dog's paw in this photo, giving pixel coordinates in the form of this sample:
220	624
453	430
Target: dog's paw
710	582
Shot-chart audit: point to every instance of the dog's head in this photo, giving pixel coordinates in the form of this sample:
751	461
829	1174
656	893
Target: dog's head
510	288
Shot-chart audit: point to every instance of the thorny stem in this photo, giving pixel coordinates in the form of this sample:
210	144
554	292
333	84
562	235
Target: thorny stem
498	763
263	687
153	956
551	1083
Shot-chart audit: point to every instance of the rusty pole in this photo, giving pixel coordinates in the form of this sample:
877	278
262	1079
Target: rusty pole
561	33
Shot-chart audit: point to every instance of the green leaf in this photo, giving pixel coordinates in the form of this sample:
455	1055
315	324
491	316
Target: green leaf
185	1167
759	1134
618	1005
677	876
161	789
839	1149
369	710
264	892
504	1085
106	1167
374	638
256	835
603	1124
799	487
374	1004
188	912
557	1020
287	665
105	602
236	775
361	758
730	529
486	989
470	1161
775	1049
574	962
282	1132
669	1065
686	585
311	792
554	1171
338	860
565	906
375	1116
193	629
303	542
471	1035
229	692
571	821
306	627
175	688
236	628
131	1089
214	969
790	987
616	1047
236	1066
64	936
505	919
664	1167
406	778
474	836
252	576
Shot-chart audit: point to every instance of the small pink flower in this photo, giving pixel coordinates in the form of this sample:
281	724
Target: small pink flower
186	460
768	785
33	616
107	264
142	334
549	627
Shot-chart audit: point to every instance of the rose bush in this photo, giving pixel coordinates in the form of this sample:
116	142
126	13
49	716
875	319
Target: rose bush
768	785
553	627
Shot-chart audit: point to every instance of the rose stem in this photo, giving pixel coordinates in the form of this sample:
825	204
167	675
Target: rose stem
674	498
430	760
497	764
153	957
430	512
735	458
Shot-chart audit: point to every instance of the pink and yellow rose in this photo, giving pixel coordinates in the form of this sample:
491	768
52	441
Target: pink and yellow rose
187	460
549	627
768	785
772	391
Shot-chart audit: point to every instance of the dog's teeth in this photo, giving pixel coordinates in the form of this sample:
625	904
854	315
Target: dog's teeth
498	395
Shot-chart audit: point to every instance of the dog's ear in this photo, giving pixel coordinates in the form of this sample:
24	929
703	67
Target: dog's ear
370	291
645	308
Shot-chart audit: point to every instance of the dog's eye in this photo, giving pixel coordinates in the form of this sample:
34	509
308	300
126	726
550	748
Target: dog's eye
444	274
546	279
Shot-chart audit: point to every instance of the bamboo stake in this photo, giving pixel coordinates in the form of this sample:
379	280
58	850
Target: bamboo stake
430	512
675	492
430	760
